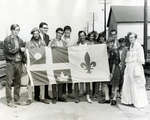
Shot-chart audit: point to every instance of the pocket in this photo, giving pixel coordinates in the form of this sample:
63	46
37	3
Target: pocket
137	71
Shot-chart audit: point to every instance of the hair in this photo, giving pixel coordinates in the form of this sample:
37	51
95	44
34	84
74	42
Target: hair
113	30
102	34
13	26
59	29
94	33
81	31
132	33
67	28
127	38
121	40
42	24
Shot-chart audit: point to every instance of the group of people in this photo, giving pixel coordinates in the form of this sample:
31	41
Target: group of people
127	78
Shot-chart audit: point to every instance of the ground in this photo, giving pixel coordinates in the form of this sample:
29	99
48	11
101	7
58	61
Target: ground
71	111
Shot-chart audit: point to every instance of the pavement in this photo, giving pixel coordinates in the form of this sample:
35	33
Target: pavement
71	111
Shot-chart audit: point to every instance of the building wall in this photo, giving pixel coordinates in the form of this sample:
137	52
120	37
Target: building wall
124	28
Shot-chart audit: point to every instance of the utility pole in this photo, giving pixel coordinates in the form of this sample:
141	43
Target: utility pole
105	20
87	28
93	21
104	2
145	28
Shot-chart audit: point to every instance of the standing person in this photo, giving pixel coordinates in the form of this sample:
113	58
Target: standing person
114	61
14	48
115	74
133	91
43	27
36	42
122	54
67	39
92	37
82	40
58	42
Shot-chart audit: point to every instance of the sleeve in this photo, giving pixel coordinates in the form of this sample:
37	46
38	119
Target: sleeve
52	43
9	47
140	55
22	43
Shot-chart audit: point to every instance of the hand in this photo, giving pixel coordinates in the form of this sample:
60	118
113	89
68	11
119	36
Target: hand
22	49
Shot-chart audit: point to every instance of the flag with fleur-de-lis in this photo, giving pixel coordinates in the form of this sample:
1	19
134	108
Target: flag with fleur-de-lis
84	63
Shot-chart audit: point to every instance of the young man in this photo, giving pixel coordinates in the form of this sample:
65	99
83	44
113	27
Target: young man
58	42
14	48
35	42
43	28
67	39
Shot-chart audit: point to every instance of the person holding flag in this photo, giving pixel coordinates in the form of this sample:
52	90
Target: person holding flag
35	42
58	42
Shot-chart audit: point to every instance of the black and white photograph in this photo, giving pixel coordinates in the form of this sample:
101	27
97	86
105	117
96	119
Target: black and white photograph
75	60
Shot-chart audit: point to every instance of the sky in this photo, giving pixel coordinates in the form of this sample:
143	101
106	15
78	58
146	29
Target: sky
57	13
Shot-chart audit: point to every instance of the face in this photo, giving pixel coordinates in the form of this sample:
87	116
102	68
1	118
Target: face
82	36
101	39
16	31
59	34
132	38
36	35
111	44
92	37
114	35
122	44
67	33
44	29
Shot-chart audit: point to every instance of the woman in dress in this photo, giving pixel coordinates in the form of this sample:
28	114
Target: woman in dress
133	91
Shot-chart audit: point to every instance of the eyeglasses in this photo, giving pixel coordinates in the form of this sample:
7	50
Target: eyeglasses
60	33
17	29
45	28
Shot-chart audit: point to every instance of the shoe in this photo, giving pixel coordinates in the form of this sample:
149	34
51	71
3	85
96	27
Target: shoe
37	99
44	101
101	101
20	103
77	101
10	104
88	99
54	100
82	94
62	99
48	97
113	102
28	102
71	96
17	102
106	101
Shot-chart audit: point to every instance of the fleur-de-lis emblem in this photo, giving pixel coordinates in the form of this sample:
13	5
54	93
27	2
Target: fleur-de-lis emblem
88	65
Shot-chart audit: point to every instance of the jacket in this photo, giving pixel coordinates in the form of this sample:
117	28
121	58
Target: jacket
10	50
